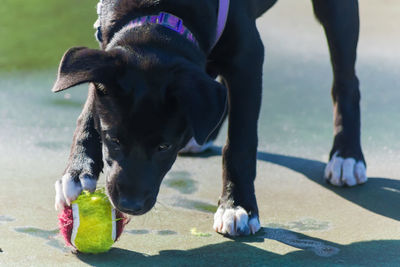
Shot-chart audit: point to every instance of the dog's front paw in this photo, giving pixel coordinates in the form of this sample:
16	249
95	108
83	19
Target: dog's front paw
345	171
70	186
235	221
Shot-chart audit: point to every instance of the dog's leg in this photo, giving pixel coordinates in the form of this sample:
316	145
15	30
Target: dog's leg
85	160
341	23
237	213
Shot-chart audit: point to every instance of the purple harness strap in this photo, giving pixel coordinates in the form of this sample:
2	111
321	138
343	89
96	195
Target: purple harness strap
176	24
223	11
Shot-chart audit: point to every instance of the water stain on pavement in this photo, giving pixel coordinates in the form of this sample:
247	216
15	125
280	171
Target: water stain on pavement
181	181
138	232
51	236
306	224
195	205
145	231
5	219
166	232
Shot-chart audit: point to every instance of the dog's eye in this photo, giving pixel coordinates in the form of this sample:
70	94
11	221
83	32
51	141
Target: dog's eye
115	141
164	147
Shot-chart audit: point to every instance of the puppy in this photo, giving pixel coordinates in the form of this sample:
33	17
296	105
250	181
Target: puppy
152	90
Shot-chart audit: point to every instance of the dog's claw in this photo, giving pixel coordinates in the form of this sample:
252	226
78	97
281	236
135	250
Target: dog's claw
345	171
234	222
254	225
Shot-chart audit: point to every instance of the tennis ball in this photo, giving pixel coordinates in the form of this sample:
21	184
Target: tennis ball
91	224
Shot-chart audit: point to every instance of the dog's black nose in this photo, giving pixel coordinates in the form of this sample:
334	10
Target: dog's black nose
134	206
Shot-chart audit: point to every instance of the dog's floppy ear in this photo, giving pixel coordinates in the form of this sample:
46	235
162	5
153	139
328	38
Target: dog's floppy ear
203	100
81	65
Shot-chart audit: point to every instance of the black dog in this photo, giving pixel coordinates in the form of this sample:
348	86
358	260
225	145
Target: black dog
152	89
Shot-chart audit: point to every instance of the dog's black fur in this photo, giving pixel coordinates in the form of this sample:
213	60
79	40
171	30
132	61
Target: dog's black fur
152	90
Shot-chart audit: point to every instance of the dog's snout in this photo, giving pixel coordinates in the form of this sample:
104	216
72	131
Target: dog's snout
134	206
130	206
133	194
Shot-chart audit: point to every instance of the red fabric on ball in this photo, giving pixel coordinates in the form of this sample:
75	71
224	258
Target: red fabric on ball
66	223
122	220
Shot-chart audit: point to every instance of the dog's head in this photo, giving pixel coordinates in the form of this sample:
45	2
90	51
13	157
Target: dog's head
146	107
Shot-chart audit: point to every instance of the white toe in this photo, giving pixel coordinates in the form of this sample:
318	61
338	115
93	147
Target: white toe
71	189
228	220
242	221
88	183
336	171
60	200
328	170
360	173
254	225
218	220
348	172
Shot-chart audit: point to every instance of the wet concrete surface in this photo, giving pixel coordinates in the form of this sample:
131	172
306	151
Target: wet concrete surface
305	221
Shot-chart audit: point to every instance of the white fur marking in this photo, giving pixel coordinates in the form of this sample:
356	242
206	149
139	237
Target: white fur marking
340	171
88	183
71	189
60	200
234	222
99	6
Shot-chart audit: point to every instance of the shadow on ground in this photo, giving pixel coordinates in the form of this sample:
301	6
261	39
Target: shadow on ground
237	253
379	195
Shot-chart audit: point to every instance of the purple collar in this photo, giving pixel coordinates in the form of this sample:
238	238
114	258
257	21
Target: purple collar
166	20
176	24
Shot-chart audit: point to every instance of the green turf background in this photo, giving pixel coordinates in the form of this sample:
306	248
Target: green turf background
34	34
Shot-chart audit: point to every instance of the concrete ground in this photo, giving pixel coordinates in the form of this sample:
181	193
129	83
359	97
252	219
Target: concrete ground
305	221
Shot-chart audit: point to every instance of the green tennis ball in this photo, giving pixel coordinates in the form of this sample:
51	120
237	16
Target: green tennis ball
91	224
